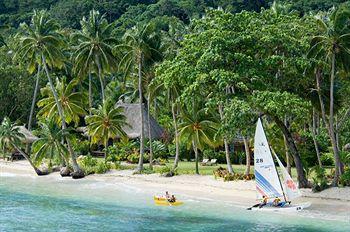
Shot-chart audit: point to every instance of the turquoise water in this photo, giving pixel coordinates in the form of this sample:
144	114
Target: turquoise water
47	204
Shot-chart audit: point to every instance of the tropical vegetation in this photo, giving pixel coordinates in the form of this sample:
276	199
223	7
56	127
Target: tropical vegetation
204	70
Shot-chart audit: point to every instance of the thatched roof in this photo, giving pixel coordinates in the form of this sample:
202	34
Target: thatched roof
133	120
28	136
133	123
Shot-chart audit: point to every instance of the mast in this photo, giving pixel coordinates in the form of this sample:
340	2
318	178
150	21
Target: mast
279	179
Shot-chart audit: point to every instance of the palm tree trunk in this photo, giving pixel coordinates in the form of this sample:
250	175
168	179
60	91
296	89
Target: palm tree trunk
90	93
247	154
37	171
303	181
313	133
149	131
101	80
227	150
78	173
331	127
106	146
177	145
140	164
195	149
36	89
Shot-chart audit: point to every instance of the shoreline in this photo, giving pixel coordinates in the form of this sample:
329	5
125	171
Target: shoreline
331	203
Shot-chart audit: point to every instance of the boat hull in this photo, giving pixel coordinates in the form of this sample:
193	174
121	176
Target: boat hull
287	208
161	201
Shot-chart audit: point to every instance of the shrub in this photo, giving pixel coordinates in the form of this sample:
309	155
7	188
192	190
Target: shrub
81	147
345	177
91	165
327	159
159	150
134	158
184	154
102	167
319	180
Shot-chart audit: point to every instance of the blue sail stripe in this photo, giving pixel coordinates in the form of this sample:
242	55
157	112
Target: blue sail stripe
265	184
264	187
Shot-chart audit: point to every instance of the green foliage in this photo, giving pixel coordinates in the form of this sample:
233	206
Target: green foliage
159	150
49	145
10	135
92	165
319	180
105	123
73	103
134	157
327	159
345	177
80	146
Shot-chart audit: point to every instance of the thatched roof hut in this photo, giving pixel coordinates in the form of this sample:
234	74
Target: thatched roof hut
133	120
133	123
28	136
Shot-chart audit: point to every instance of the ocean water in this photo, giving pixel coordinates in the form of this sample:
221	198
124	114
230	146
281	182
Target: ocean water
58	204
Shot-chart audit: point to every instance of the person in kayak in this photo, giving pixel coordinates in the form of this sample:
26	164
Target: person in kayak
172	199
167	195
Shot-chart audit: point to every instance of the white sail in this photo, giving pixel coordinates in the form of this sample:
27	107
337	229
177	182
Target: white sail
266	176
290	188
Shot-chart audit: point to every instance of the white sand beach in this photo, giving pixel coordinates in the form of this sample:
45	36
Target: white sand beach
333	202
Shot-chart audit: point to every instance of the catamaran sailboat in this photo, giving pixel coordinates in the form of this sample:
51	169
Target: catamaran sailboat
268	181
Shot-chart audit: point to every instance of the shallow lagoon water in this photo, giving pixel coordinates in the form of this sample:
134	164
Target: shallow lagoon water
57	204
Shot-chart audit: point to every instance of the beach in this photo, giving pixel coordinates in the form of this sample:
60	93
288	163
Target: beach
333	203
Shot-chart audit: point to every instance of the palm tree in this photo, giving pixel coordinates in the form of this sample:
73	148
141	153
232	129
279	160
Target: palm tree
171	91
139	50
72	102
105	123
332	46
33	63
11	137
43	44
49	143
198	129
94	49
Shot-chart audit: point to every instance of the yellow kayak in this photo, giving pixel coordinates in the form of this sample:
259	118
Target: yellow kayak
164	202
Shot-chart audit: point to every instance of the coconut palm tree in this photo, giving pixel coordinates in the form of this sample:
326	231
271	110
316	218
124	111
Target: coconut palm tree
11	137
170	89
332	46
94	49
105	123
43	44
198	129
72	102
49	143
139	50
